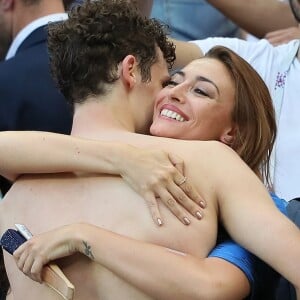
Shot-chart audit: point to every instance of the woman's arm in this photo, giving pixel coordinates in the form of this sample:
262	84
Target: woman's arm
283	36
25	152
185	53
153	269
251	218
152	173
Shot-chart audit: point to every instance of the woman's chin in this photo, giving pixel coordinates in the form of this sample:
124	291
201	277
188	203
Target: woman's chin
159	131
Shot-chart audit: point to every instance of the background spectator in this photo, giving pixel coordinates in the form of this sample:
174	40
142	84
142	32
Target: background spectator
256	16
193	19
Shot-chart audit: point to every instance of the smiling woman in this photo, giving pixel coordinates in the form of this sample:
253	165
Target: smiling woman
213	98
201	93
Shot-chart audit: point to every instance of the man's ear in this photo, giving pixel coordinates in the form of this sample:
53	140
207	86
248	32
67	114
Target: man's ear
228	135
129	70
6	5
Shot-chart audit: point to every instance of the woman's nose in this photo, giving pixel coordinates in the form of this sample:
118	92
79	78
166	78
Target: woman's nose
178	93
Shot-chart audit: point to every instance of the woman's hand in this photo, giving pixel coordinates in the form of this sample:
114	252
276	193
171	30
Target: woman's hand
283	36
158	174
31	256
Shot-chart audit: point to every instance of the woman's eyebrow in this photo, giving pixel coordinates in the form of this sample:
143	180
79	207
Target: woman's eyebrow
198	78
202	78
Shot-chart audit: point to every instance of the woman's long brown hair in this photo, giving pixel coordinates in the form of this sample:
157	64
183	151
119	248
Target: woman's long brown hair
253	113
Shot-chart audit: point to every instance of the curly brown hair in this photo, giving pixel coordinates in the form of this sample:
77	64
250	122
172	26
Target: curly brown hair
85	50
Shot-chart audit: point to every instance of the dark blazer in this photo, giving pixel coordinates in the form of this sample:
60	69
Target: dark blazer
29	99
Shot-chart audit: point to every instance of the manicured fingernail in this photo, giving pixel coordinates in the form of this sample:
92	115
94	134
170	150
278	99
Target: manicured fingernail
199	215
202	203
159	221
186	221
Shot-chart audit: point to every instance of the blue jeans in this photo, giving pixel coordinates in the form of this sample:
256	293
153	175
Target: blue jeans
193	19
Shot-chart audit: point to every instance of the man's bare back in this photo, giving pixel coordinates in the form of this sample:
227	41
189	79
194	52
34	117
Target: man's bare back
46	202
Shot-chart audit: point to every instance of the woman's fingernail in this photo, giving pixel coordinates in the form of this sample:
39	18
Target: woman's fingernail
186	221
202	203
199	215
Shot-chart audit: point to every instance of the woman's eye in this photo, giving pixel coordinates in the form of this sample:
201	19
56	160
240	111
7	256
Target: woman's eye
200	92
170	83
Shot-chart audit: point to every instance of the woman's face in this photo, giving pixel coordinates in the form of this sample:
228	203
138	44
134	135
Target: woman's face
196	104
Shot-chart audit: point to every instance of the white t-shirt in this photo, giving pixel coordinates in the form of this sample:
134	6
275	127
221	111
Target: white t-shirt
268	60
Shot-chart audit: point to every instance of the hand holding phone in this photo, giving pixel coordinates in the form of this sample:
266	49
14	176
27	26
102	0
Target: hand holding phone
52	274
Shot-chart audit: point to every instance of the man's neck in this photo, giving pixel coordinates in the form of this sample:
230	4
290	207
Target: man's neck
94	118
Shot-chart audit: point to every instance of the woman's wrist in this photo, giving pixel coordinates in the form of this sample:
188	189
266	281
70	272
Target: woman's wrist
80	239
75	234
120	156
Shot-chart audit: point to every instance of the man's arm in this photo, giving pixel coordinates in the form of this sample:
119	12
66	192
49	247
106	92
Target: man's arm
159	272
256	16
